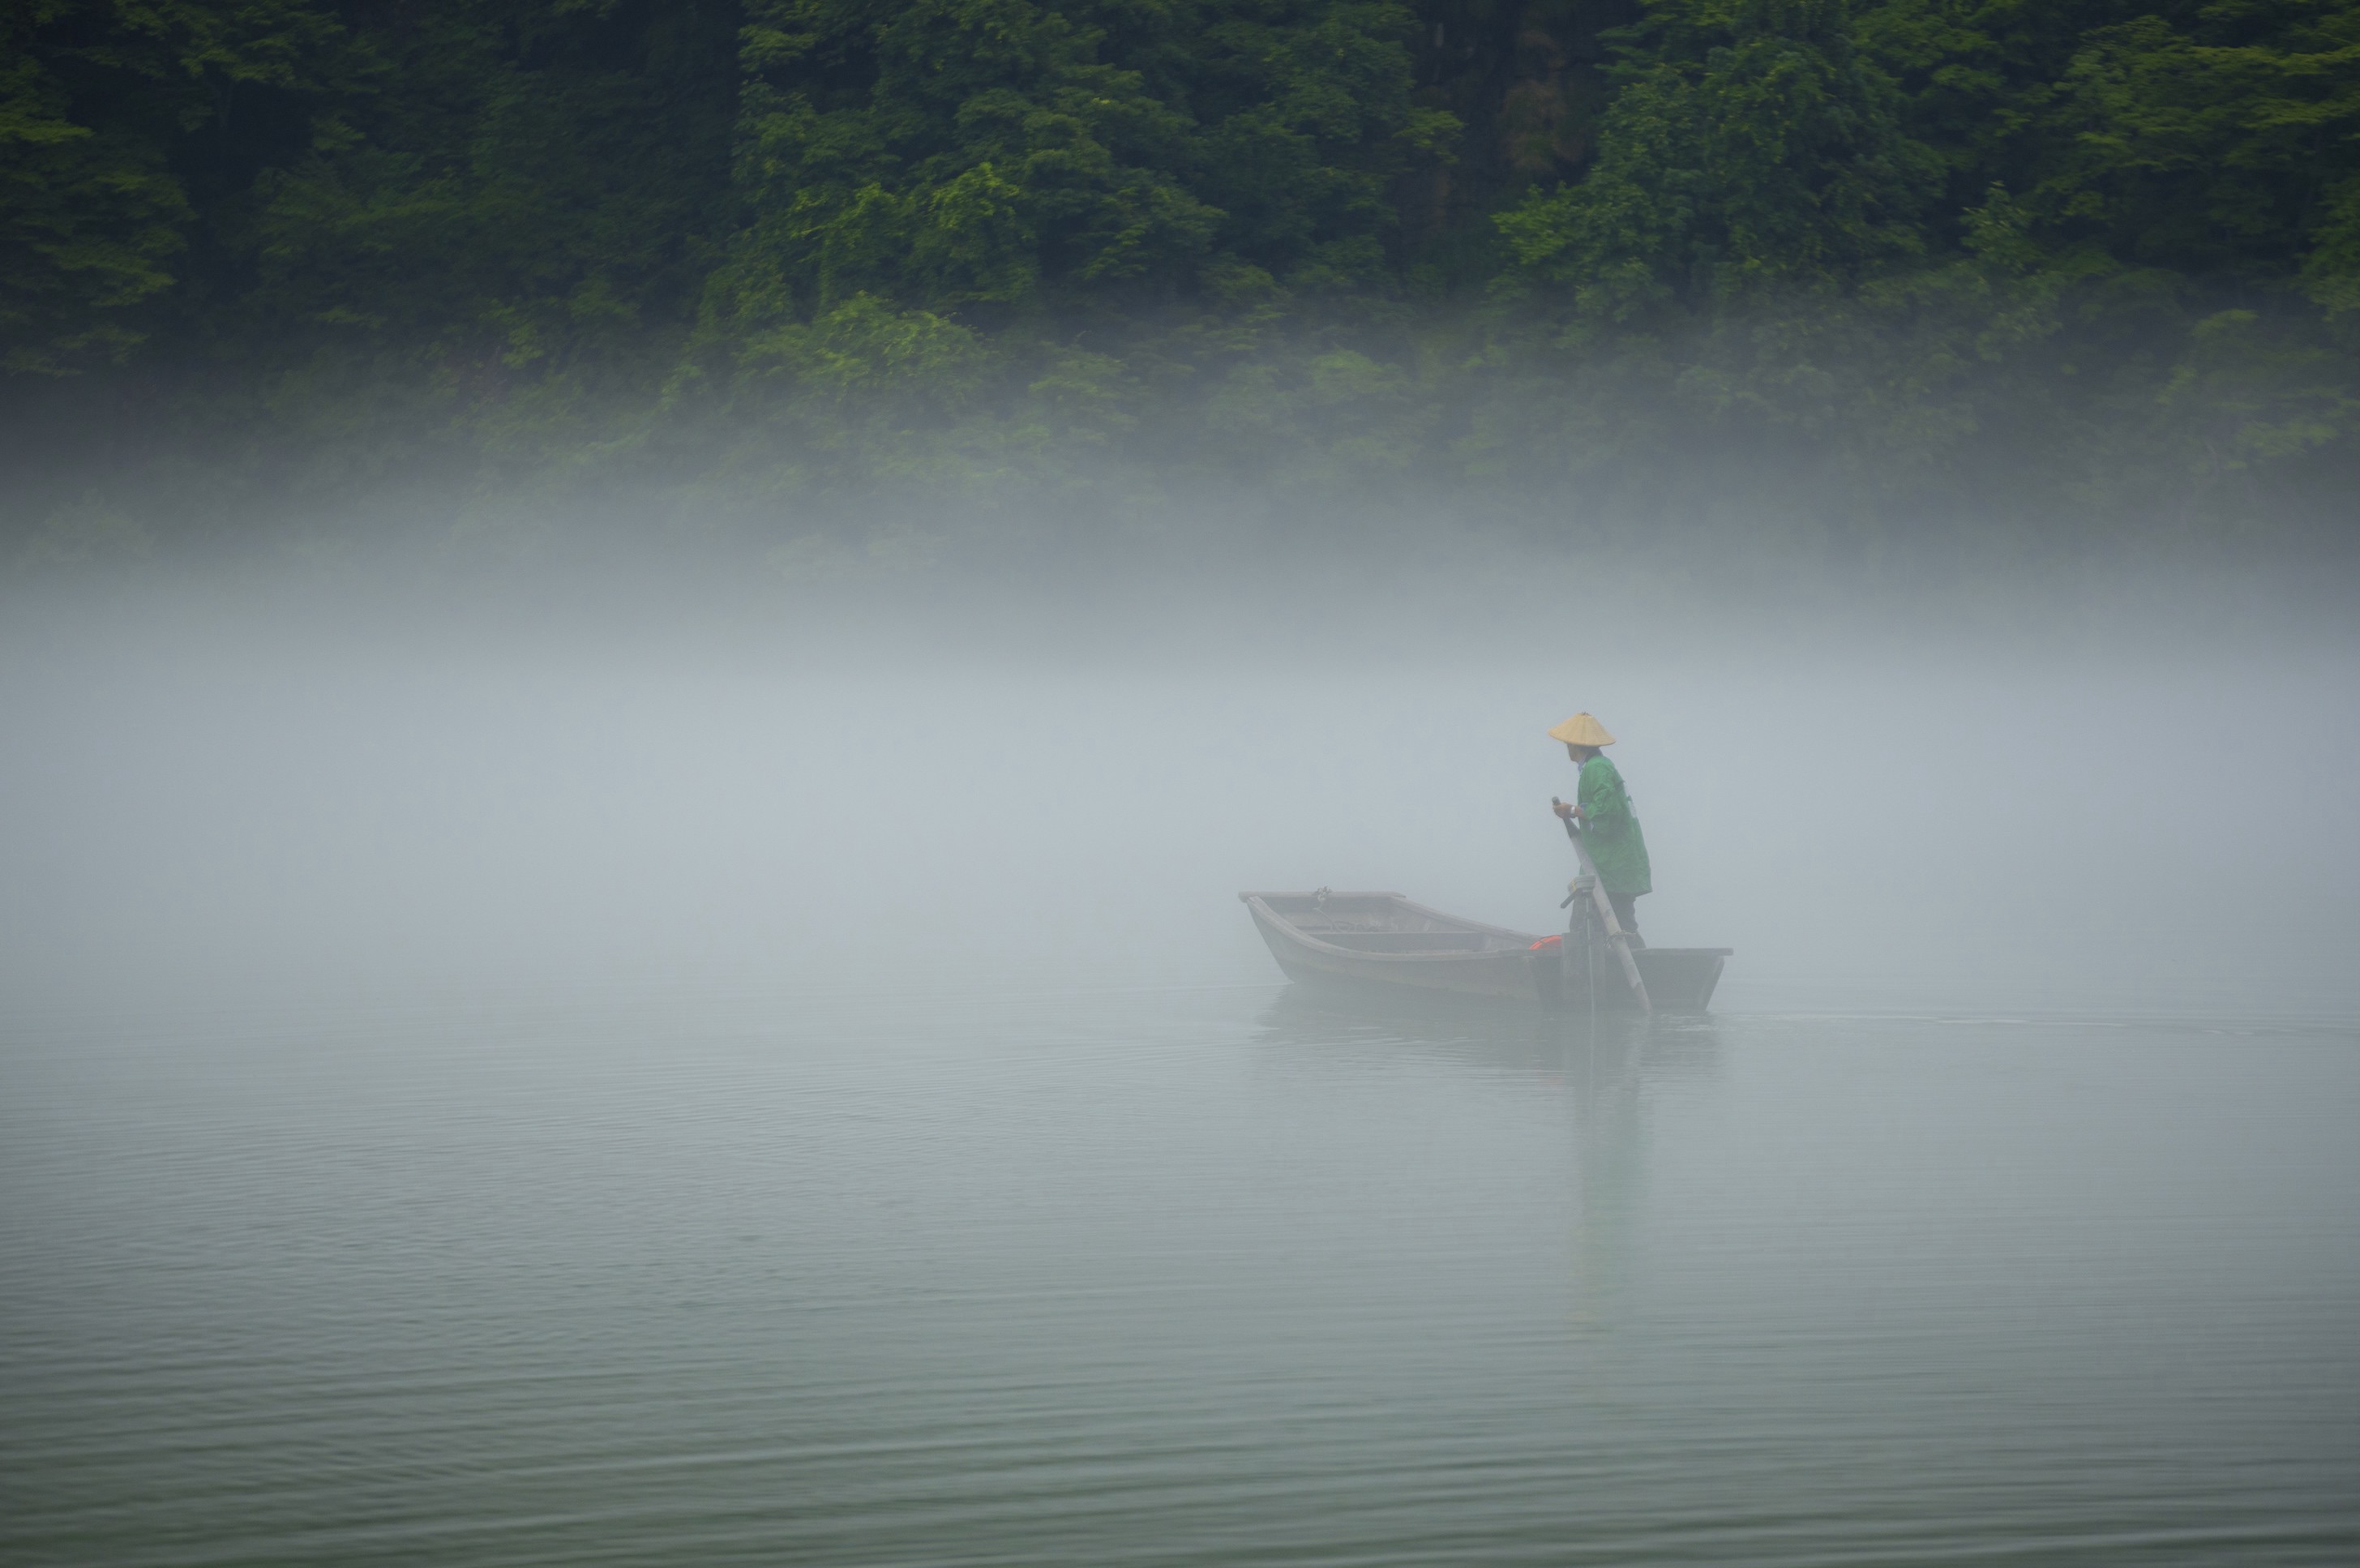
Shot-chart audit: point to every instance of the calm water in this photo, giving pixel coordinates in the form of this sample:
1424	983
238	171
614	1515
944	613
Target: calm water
1206	1276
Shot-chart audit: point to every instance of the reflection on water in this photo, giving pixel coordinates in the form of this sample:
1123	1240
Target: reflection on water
1231	1276
1603	1066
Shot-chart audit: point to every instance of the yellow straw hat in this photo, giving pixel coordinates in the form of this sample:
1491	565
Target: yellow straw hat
1582	731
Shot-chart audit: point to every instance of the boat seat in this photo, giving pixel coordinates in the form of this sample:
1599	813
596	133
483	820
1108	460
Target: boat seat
1405	941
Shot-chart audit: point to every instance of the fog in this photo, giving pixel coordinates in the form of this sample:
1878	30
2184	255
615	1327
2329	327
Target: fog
638	1066
644	649
271	790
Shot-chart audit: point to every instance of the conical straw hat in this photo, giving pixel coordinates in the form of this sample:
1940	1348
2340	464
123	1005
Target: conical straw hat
1582	731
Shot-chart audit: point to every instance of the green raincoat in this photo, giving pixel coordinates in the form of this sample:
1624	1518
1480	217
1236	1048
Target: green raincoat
1615	843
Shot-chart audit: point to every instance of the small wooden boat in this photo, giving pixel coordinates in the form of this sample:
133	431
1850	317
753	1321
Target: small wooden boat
1382	938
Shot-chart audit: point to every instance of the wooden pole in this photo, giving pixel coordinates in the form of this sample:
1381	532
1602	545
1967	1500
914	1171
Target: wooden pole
1614	932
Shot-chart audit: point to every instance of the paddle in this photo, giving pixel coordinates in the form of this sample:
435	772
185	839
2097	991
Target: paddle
1614	932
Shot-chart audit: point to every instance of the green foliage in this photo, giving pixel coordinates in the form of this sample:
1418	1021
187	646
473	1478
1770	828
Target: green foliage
510	191
89	222
1756	152
96	99
1623	261
996	153
2217	146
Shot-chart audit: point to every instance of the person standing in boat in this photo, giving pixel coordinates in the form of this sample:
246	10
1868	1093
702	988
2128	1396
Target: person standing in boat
1601	807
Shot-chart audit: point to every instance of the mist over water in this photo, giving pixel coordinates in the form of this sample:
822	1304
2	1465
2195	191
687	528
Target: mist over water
643	648
500	1077
304	791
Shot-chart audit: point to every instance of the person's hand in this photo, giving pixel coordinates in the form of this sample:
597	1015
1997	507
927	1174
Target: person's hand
1565	813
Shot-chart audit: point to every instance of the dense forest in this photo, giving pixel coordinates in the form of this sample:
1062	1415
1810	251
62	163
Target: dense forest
2053	270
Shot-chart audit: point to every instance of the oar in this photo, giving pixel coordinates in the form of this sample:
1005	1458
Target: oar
1614	932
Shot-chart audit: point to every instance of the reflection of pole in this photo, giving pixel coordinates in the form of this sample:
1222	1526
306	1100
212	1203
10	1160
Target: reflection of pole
1605	911
1609	1109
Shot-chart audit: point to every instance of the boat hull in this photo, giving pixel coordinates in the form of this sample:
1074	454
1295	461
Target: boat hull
1382	940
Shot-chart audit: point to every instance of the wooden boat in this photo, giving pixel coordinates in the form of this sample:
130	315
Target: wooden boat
1383	940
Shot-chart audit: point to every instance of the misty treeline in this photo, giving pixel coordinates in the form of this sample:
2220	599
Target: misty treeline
2088	270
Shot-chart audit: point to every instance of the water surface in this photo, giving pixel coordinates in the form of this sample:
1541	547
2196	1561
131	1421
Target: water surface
1174	1275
